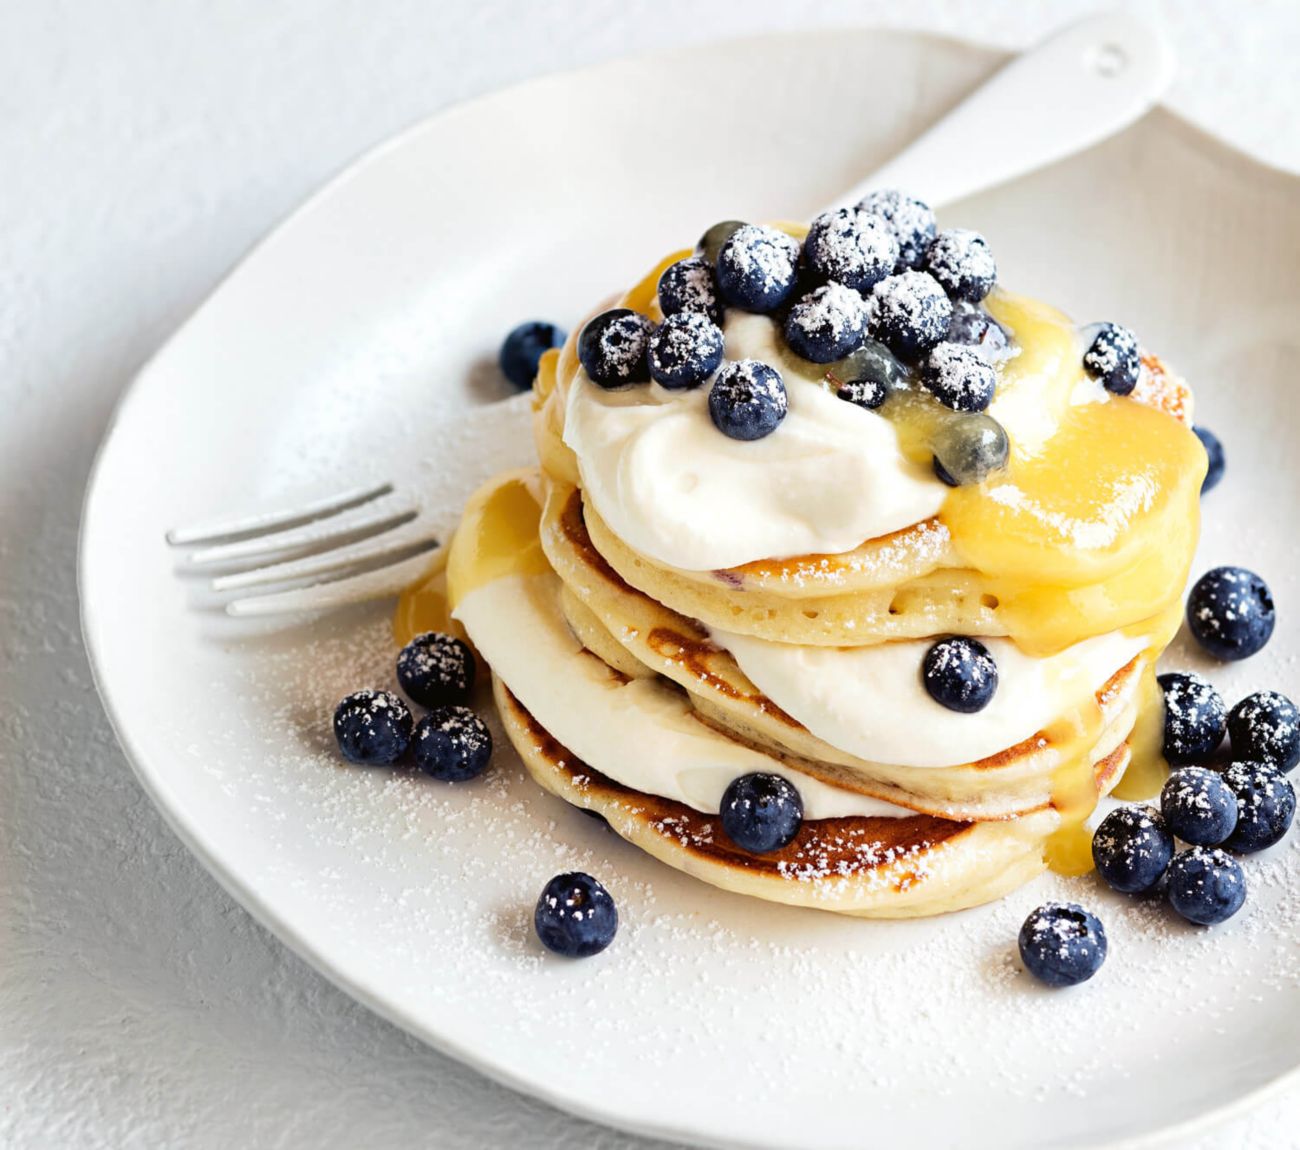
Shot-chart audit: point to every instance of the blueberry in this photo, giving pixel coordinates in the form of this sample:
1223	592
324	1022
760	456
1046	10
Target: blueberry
973	327
960	674
911	221
612	347
1198	806
968	449
1132	849
1214	449
688	285
685	350
372	727
747	399
909	314
1195	717
1062	944
1265	728
870	363
963	263
523	348
1230	612
758	267
575	916
850	248
1265	806
434	669
826	324
452	744
959	378
761	812
711	242
1206	886
1113	358
867	393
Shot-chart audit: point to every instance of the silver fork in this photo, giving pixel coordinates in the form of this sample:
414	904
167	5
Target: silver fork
1071	91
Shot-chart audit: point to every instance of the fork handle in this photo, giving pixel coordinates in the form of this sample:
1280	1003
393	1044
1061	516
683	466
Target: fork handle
1069	92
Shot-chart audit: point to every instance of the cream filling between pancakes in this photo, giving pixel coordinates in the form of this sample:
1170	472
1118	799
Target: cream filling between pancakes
640	732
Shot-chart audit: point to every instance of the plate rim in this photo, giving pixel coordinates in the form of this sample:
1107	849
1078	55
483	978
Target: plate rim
152	782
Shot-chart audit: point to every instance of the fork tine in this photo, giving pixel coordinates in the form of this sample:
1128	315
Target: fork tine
339	593
403	537
381	514
273	520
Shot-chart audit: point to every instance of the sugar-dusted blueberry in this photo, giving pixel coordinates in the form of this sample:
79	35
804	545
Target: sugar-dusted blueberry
1230	612
685	350
909	313
1195	717
452	744
758	267
1214	450
1265	728
958	378
973	327
865	393
523	348
373	728
1198	806
434	669
1062	944
1265	806
1132	848
710	244
613	345
761	812
1113	358
747	399
826	324
960	674
851	248
969	448
575	916
911	221
962	261
870	362
689	285
1206	885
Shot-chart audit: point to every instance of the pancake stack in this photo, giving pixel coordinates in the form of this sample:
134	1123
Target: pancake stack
639	687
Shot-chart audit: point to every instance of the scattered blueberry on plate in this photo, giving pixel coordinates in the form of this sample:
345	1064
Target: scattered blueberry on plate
575	916
373	728
1062	944
1265	728
523	348
851	248
761	812
1213	449
960	674
1206	885
909	313
688	285
747	399
758	267
434	669
1113	358
452	744
911	221
685	350
826	324
612	348
1230	613
958	377
1132	849
1195	717
1198	806
1265	806
963	263
969	448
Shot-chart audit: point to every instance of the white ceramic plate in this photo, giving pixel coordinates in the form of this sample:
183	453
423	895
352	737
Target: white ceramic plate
344	347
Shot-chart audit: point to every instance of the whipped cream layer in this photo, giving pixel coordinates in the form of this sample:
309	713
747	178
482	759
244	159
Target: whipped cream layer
674	488
640	732
871	701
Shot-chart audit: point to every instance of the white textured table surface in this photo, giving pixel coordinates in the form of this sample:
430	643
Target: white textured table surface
145	147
